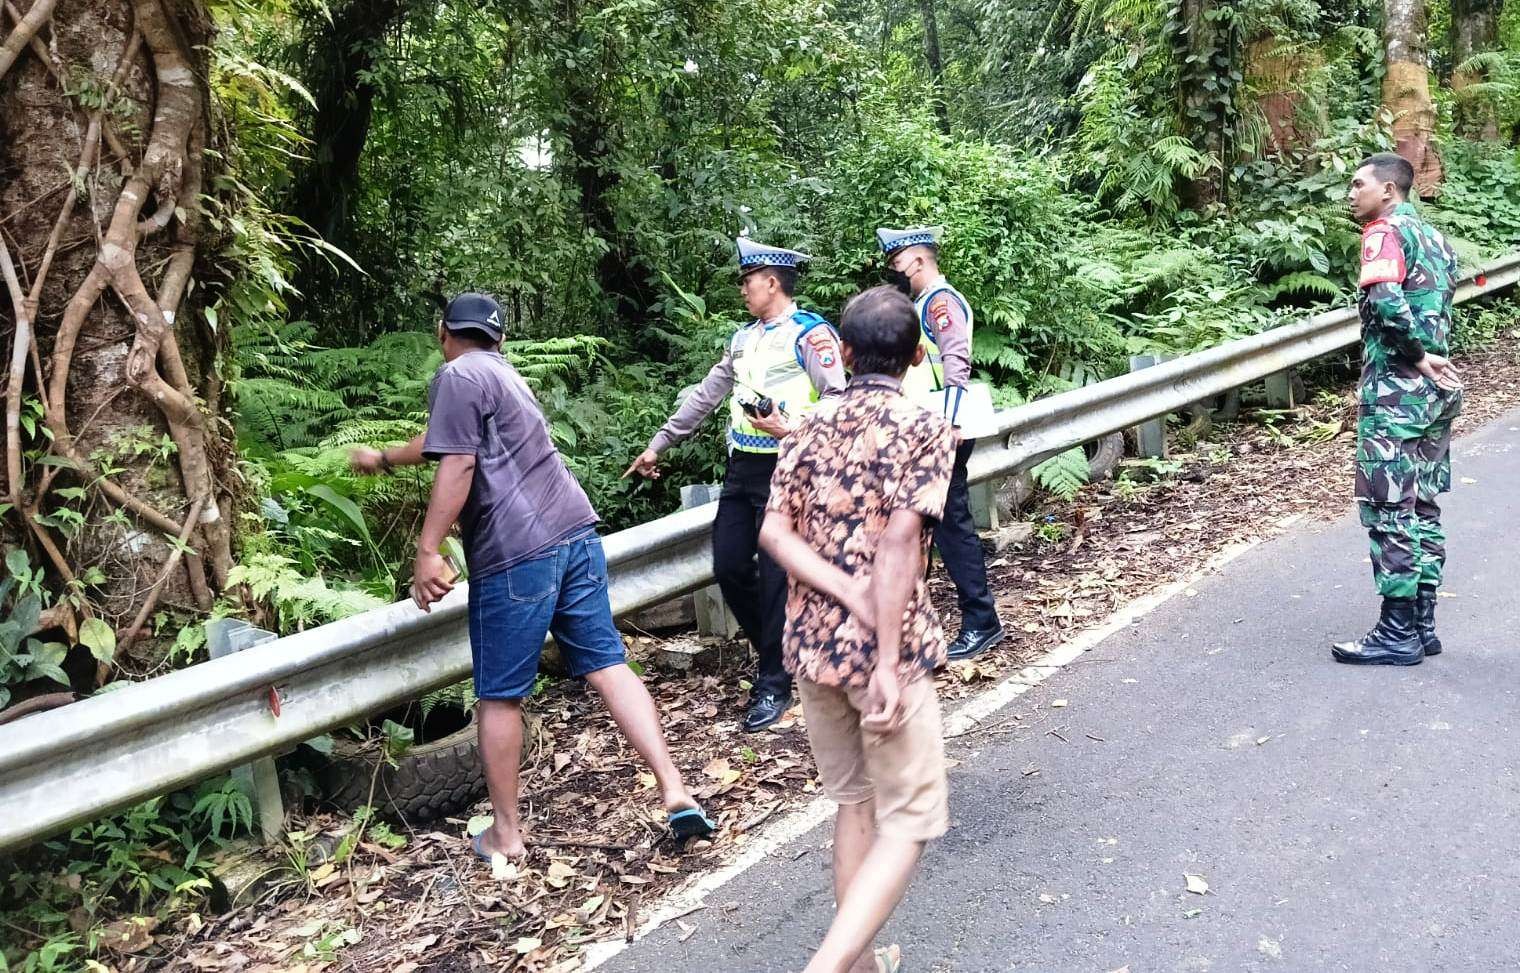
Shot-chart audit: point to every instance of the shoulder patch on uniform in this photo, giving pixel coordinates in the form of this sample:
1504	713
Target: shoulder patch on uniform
1382	255
941	311
822	341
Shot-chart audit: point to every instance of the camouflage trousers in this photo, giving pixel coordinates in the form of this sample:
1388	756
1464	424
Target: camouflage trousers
1403	463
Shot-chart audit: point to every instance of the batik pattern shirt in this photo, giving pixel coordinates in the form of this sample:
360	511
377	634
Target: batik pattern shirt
854	461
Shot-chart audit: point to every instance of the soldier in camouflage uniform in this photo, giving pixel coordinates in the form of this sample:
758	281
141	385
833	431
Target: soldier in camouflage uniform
1408	398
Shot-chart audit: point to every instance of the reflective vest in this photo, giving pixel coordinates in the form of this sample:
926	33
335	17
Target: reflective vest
767	361
929	375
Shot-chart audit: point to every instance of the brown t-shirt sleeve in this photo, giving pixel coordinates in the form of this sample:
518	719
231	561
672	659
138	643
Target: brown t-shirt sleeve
929	459
456	414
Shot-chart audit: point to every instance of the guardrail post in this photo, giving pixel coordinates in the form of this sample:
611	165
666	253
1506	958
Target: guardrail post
984	512
1280	390
1150	437
259	779
713	616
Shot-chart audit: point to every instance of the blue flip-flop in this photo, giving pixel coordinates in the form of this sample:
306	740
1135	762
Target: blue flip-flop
691	822
480	852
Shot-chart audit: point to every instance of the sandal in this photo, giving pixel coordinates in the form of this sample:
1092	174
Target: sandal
888	959
691	822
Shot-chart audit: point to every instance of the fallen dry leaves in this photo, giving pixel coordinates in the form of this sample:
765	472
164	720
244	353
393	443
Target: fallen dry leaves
599	854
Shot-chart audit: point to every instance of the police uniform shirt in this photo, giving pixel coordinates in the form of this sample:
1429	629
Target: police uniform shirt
822	359
952	332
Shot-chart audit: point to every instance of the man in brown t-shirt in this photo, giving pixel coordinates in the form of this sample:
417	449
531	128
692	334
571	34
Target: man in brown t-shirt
856	493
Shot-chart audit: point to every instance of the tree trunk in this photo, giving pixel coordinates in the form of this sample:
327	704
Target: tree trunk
1474	31
1276	72
1203	51
590	129
1406	90
102	240
936	62
339	56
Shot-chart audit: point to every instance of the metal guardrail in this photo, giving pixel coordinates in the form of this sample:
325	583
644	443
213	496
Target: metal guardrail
107	752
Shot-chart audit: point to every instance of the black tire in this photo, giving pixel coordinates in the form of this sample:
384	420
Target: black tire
1106	454
1014	492
429	782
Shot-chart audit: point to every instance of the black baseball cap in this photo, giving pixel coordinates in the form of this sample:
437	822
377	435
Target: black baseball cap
476	312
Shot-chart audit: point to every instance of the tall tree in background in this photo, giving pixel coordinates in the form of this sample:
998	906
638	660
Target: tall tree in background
118	466
936	62
1205	49
1474	32
1406	90
339	52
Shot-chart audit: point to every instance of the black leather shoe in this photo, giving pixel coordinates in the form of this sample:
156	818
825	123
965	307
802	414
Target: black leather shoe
767	709
972	642
1426	605
1393	641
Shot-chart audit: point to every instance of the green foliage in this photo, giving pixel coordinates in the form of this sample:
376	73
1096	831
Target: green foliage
1064	474
460	696
1011	244
1476	327
152	860
397	740
298	600
24	659
1480	199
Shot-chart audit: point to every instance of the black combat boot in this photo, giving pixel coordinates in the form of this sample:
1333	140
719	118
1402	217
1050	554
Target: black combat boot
1393	641
1426	603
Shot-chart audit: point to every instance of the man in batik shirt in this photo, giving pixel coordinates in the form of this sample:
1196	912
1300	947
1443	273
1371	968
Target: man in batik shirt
858	488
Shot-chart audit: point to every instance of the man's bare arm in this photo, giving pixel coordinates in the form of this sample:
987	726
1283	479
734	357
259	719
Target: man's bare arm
899	565
431	577
365	459
781	541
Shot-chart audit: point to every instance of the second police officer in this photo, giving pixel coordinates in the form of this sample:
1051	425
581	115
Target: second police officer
772	373
945	319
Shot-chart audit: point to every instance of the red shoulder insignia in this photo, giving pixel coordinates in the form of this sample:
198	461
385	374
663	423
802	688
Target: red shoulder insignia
824	345
821	339
940	312
1382	255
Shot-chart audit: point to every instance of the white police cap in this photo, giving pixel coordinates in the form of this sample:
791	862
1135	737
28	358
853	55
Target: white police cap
753	256
894	240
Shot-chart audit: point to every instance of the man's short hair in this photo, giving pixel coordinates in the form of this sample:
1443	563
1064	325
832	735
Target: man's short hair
881	328
476	336
786	277
1388	167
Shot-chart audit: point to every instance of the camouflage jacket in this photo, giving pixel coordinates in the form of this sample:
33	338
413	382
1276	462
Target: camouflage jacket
1408	278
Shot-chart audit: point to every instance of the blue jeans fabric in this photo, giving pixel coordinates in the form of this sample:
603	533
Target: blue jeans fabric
562	592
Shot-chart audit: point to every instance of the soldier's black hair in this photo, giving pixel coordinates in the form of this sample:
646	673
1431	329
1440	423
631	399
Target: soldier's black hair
1389	167
880	327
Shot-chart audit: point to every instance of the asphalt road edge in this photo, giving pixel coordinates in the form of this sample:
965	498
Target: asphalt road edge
976	710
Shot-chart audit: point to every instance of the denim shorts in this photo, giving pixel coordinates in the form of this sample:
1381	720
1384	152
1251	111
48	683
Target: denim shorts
563	592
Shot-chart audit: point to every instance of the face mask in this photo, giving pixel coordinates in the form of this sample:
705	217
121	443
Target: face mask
899	280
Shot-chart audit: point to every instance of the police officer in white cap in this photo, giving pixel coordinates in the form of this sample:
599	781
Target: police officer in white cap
773	372
945	319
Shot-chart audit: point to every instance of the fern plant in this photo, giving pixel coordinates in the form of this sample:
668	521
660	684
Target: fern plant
1064	474
298	601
